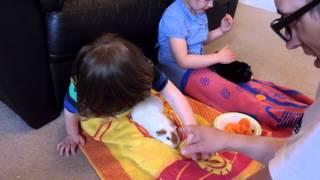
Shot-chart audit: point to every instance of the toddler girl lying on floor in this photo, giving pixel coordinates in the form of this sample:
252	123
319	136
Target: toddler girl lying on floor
110	76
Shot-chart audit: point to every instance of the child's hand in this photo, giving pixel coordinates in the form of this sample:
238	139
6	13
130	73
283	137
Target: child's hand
70	144
226	56
226	23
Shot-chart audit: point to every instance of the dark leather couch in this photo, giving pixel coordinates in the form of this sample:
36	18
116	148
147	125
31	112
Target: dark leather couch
39	39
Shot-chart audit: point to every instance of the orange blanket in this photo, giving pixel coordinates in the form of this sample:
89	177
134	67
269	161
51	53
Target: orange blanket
138	156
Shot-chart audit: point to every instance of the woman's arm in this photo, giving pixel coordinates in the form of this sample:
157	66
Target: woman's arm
259	148
179	103
210	140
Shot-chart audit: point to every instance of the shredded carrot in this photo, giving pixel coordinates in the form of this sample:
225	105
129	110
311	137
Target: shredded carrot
245	122
242	127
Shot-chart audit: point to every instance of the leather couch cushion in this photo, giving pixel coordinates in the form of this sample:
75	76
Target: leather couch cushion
79	22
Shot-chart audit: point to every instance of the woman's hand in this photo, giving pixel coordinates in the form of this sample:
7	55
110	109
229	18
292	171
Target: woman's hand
70	144
203	140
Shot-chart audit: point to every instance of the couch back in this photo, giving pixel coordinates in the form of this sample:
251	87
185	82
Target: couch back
74	23
80	21
40	38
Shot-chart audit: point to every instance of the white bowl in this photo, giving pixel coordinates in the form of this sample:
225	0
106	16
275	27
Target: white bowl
234	117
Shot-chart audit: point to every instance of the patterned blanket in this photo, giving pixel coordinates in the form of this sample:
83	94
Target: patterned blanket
120	149
276	107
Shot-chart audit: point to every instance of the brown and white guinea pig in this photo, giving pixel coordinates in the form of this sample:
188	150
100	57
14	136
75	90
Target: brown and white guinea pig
149	115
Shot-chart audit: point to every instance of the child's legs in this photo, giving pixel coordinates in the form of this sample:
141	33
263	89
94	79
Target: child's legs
173	72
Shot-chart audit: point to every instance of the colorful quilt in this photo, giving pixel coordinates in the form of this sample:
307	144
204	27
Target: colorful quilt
274	106
120	149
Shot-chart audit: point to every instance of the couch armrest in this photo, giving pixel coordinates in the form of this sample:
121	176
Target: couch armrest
25	79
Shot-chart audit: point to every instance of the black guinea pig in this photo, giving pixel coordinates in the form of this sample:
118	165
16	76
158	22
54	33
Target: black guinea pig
236	72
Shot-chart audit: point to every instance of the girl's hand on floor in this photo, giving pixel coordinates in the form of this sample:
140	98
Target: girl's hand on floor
70	144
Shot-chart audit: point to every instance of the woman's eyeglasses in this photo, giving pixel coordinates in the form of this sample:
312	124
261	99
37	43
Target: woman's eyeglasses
281	26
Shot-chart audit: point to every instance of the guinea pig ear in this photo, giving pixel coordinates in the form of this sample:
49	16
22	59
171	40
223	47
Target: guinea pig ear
174	138
161	132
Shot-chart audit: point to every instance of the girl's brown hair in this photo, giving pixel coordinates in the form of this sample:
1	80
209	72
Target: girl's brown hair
110	75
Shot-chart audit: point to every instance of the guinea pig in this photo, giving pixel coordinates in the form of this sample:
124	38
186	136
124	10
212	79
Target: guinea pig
236	72
149	115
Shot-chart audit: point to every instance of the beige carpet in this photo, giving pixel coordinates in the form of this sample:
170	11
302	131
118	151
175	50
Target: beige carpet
31	154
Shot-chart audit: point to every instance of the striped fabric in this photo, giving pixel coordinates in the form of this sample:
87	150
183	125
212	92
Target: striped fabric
120	149
274	106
